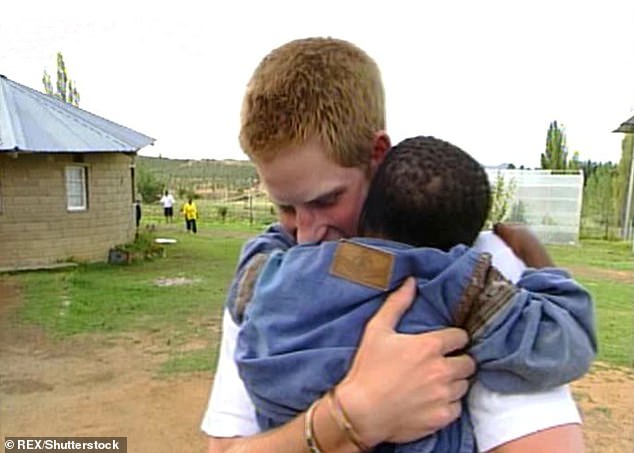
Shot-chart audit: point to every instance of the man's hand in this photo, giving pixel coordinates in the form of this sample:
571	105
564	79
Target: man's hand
403	387
400	388
524	244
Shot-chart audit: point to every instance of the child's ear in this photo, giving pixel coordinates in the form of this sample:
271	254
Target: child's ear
380	147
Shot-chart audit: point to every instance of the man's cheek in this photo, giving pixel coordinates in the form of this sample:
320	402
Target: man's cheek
347	220
288	223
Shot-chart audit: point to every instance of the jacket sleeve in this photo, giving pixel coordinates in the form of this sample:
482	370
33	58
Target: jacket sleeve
534	336
253	256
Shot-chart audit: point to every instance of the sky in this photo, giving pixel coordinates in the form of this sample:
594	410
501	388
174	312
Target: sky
488	76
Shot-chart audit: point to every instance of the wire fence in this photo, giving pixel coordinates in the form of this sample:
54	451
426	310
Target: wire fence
255	209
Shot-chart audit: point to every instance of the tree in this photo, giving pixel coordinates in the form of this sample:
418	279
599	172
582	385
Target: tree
222	212
65	89
588	167
622	180
149	186
598	198
502	194
575	163
555	157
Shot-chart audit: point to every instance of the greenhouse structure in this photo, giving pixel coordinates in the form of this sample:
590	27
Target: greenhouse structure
549	202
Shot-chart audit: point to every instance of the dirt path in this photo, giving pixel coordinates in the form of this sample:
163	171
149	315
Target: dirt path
91	386
606	400
622	276
88	386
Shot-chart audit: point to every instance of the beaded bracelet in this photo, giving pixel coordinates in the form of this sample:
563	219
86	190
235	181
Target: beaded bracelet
309	433
337	412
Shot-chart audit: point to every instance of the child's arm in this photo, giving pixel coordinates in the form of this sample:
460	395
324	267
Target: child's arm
541	336
253	256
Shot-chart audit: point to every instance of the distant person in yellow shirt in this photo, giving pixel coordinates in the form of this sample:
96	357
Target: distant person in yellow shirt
191	214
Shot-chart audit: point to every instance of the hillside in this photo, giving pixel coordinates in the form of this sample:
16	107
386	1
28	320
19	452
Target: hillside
199	174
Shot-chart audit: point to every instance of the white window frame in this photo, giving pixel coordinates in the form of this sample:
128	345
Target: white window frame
76	177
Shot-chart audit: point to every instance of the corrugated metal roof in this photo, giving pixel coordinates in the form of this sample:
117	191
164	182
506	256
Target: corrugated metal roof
36	122
627	127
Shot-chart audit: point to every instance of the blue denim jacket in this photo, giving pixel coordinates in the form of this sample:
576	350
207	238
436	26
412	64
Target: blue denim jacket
302	325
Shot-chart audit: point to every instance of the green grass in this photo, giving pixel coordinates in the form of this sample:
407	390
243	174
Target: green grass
615	320
606	269
113	299
616	255
185	362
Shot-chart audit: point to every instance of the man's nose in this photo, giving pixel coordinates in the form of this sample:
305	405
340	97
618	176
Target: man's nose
309	227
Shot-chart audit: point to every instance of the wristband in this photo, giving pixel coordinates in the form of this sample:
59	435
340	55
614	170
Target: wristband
339	414
309	434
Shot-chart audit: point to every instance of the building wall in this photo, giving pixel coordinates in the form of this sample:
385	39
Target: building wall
36	228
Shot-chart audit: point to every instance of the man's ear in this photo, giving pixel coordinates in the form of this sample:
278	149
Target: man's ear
380	146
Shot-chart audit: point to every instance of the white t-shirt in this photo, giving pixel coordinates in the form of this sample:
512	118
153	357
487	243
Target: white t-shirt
167	200
497	418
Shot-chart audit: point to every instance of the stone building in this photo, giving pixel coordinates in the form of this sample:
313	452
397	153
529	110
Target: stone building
67	182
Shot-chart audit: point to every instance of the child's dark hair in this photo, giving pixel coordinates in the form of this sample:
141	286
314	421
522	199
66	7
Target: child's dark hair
427	193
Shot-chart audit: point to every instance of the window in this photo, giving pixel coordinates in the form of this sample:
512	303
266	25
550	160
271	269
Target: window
76	188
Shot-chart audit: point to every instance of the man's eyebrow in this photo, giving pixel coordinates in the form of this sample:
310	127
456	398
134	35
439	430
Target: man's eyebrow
335	191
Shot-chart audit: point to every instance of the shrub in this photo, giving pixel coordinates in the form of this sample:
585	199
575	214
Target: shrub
222	212
149	186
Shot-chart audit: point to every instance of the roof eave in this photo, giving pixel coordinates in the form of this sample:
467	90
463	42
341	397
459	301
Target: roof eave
62	151
626	127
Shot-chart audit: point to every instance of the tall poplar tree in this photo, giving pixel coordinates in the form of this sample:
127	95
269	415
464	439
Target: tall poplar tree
65	88
555	156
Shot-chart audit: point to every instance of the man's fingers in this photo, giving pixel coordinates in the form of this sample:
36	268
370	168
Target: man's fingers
447	340
461	366
450	413
458	389
395	305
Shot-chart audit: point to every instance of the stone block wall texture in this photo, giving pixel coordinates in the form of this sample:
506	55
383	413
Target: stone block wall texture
37	228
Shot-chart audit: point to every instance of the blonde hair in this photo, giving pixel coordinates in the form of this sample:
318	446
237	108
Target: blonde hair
321	88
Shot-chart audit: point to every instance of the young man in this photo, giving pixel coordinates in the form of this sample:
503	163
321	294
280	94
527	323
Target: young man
427	193
313	122
167	201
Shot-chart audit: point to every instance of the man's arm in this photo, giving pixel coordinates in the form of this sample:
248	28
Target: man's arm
560	439
287	439
567	438
379	388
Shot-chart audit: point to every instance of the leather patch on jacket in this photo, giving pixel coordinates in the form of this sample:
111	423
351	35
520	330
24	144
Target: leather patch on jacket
487	292
363	264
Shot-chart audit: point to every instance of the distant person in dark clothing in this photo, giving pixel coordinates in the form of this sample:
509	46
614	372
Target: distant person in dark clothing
137	212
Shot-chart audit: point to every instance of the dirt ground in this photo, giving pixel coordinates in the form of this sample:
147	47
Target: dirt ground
88	386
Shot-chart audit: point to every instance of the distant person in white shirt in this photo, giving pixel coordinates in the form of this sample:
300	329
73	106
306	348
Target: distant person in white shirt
167	201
